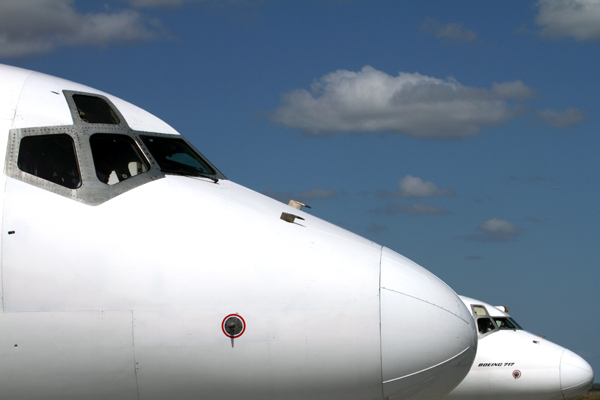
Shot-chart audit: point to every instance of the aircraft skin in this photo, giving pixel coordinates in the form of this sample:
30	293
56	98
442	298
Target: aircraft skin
146	283
513	364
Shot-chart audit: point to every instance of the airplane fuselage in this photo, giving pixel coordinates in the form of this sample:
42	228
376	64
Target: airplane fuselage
126	275
513	364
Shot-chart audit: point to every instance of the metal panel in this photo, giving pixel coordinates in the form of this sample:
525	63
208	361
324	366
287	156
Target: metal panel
292	354
92	191
402	275
67	356
11	90
425	343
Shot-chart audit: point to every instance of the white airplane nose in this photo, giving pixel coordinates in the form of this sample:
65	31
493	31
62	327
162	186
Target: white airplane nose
576	375
428	337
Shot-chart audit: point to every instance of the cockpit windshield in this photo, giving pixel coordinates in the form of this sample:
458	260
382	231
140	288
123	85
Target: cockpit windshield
506	323
116	158
485	325
175	156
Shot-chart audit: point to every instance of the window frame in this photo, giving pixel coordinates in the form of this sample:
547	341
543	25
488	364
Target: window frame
91	191
138	134
477	317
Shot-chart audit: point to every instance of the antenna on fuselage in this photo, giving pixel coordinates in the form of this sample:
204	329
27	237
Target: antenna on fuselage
297	205
287	217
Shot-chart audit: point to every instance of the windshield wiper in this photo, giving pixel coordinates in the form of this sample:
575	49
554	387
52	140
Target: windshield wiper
187	172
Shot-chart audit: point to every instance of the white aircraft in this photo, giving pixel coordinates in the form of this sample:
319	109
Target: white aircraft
131	268
513	364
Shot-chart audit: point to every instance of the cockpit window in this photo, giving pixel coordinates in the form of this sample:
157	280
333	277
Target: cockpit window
504	323
174	155
479	310
50	157
485	325
116	158
515	323
95	110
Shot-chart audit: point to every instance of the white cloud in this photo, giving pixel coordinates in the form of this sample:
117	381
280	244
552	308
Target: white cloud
495	230
500	227
453	32
410	103
30	27
578	19
515	90
562	119
411	187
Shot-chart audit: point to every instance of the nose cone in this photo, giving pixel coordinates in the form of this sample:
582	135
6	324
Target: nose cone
576	375
428	337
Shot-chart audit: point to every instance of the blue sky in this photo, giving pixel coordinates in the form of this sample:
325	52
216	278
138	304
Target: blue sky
463	135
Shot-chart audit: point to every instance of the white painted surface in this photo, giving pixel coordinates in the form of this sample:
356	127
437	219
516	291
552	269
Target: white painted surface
177	255
12	83
284	353
547	371
79	355
411	344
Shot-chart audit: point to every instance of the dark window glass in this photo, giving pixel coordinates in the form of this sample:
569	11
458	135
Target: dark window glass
504	323
485	325
116	158
94	110
515	323
174	155
50	157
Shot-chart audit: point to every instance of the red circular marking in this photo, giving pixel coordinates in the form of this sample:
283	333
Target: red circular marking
239	334
516	374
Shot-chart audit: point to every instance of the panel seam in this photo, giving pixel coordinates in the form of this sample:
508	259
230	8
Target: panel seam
426	369
137	388
424	301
